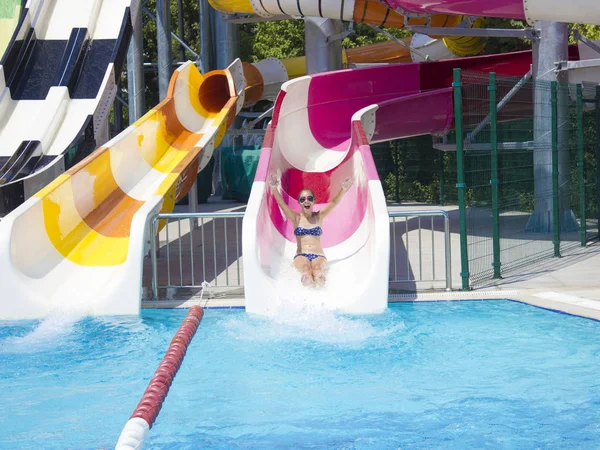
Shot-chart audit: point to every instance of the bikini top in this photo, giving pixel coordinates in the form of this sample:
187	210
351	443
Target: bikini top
314	231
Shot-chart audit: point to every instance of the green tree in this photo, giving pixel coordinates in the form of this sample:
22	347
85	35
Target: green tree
505	44
589	31
365	35
282	39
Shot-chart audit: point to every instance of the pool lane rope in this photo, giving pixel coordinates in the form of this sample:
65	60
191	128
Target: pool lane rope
137	427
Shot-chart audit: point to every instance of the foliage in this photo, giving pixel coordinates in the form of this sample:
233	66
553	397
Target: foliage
589	31
365	35
285	39
282	39
504	44
409	169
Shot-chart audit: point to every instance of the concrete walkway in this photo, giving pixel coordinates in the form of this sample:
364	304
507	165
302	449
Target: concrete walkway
570	284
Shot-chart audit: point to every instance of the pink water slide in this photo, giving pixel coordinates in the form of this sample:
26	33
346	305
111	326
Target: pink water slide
578	11
320	134
510	9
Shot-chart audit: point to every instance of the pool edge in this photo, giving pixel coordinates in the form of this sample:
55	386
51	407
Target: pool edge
562	302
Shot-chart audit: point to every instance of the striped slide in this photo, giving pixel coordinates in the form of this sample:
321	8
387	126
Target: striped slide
57	85
78	244
264	78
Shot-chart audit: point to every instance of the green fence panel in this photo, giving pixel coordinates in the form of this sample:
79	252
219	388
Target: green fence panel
530	173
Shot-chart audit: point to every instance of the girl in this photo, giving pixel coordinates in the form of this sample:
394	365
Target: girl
310	259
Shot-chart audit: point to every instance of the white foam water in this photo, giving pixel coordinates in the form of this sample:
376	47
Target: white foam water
48	332
310	313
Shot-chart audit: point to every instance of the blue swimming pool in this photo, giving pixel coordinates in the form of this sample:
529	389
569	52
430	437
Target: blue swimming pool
494	374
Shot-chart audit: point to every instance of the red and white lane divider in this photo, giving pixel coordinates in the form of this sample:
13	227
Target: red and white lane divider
137	427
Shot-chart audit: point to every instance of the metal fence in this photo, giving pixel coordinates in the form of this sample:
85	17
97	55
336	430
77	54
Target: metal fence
413	244
526	172
197	248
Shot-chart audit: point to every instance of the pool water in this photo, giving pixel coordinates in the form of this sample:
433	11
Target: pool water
477	374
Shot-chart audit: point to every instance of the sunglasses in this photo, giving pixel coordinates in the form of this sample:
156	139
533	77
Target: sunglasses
310	198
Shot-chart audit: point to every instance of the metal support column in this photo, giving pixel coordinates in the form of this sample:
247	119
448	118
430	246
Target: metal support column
598	157
555	171
135	69
181	26
442	181
494	181
460	178
118	109
580	166
163	43
552	48
205	36
323	54
227	41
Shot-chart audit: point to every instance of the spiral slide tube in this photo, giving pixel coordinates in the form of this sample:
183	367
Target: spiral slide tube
136	429
367	11
78	244
57	84
362	11
578	11
264	78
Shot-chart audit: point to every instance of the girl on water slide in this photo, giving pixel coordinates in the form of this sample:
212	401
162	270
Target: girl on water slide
310	258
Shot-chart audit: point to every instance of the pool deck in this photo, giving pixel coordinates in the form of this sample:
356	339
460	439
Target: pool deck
569	284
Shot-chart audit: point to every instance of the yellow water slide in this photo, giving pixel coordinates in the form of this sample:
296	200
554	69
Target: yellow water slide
79	242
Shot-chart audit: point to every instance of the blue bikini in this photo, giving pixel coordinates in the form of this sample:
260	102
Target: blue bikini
310	256
314	231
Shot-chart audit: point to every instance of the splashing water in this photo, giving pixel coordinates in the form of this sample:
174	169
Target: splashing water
307	313
48	332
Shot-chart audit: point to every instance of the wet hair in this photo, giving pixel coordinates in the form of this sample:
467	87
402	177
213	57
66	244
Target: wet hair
306	190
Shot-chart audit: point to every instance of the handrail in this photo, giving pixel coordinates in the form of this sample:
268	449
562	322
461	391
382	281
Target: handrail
188	215
447	242
237	215
200	215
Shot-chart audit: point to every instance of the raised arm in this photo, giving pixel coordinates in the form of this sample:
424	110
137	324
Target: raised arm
287	211
345	185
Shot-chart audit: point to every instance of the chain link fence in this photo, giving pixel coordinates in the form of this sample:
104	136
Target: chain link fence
526	171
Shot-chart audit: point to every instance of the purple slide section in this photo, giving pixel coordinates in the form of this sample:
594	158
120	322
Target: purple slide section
333	98
508	9
414	115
